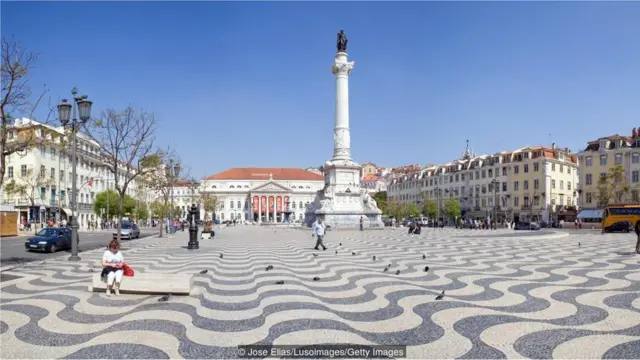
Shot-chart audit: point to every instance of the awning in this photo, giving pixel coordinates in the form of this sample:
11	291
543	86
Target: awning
67	211
590	214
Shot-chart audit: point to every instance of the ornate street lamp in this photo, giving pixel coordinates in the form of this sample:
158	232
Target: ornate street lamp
65	109
495	184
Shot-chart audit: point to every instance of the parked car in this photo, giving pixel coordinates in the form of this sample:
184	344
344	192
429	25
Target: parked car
527	226
620	226
50	239
129	231
420	221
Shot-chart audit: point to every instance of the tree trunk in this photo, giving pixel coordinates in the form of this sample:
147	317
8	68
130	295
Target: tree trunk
120	212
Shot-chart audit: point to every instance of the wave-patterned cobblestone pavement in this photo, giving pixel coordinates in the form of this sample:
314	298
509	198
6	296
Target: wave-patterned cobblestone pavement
505	297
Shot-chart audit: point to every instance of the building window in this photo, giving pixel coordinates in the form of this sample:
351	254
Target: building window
516	201
618	159
525	185
239	205
300	205
589	198
568	185
526	168
490	173
536	166
589	161
635	158
53	153
516	186
516	169
536	184
568	170
221	205
553	184
42	171
553	167
588	179
23	170
504	171
561	168
603	160
504	186
561	184
10	172
635	176
53	173
43	150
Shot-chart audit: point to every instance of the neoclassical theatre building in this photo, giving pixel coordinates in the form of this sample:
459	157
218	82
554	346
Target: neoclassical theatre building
263	194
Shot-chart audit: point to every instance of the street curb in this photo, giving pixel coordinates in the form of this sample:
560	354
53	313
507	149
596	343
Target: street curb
40	262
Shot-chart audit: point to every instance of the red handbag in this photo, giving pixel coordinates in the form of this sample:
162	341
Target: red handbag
126	270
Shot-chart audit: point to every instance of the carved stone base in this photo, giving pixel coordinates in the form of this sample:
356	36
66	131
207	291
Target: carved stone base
342	201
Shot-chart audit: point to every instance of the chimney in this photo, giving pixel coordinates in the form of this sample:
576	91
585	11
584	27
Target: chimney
553	146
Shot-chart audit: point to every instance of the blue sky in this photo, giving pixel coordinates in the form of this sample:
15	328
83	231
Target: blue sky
237	84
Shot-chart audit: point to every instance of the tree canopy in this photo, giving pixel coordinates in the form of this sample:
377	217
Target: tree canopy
381	199
430	208
613	188
113	199
452	208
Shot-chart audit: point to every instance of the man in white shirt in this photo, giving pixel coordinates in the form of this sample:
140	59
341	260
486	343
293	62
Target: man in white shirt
318	231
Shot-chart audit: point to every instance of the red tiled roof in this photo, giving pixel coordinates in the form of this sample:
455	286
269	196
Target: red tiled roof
263	174
370	177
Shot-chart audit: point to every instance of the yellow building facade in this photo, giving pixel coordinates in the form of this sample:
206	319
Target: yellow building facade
531	183
603	154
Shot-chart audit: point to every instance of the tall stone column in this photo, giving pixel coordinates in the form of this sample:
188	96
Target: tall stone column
341	134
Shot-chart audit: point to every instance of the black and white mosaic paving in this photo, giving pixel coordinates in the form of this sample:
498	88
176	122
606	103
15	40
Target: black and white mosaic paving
505	297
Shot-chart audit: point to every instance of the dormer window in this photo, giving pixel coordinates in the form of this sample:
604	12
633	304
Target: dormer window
603	145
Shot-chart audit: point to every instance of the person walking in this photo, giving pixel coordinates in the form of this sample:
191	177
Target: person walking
318	232
361	223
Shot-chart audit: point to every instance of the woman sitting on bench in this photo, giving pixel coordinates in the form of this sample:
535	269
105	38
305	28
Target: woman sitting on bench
112	262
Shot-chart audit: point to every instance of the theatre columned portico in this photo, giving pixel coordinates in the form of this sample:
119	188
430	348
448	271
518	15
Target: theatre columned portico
269	201
263	195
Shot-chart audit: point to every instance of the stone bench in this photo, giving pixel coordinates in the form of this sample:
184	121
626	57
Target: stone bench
145	283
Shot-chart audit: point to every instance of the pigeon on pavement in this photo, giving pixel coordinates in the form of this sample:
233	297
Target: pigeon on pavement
280	282
165	298
340	244
385	269
426	268
374	258
441	296
221	256
316	278
203	271
424	256
398	272
315	254
336	252
269	267
353	253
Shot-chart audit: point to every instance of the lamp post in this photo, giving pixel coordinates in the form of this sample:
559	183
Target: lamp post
173	171
83	107
437	190
495	183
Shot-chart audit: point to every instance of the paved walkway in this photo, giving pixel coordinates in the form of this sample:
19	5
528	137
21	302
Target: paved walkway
542	296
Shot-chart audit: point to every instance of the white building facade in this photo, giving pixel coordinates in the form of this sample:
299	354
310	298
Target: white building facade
263	195
46	171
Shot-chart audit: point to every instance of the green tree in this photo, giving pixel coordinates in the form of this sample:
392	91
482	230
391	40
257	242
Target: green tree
430	209
381	199
452	208
396	210
112	198
613	188
159	209
412	210
141	210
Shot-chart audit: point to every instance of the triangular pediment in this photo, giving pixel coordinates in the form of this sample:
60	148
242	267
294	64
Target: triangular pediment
271	186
